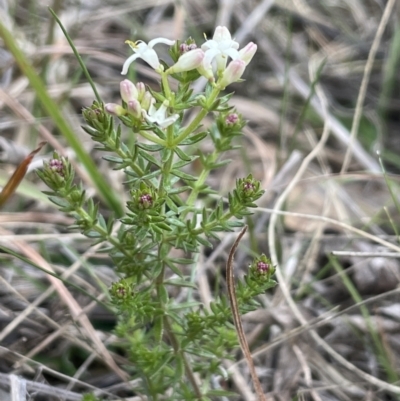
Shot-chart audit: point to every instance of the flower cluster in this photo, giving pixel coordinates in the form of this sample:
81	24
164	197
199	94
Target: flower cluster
211	61
138	103
218	49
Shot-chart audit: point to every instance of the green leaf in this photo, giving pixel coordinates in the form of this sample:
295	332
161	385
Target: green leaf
204	242
178	190
171	204
164	226
163	294
183	163
155	173
173	267
183	175
59	201
113	159
182	155
165	155
200	352
194	138
176	222
150	147
220	164
93	234
150	158
182	261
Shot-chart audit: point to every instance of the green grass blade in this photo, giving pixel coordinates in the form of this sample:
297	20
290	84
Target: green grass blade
78	56
380	350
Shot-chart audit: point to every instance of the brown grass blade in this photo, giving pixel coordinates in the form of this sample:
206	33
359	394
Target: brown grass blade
18	175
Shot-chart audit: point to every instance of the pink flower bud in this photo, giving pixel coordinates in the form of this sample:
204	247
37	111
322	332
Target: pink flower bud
233	73
128	90
146	201
135	109
263	267
187	62
184	47
141	88
57	166
247	53
231	119
115	109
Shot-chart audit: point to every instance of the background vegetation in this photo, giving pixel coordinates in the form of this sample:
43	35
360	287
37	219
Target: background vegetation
322	99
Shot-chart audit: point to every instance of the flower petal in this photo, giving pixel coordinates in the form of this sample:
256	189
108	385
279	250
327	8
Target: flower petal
150	57
165	41
128	62
221	33
159	116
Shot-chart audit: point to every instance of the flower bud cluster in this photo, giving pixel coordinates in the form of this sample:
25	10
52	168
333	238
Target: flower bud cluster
136	100
228	125
96	117
121	291
139	104
55	172
249	189
144	198
261	269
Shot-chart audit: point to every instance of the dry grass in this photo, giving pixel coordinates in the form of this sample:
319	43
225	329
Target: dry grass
330	329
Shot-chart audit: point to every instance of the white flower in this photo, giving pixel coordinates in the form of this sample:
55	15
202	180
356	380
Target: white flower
159	116
220	47
145	52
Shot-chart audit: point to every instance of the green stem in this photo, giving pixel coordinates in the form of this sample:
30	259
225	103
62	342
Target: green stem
201	180
197	120
124	156
113	241
166	172
152	138
165	84
179	352
196	189
210	226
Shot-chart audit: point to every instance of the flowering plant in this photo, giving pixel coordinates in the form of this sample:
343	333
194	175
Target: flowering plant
176	348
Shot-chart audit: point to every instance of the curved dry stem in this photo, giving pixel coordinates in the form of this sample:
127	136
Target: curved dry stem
236	317
364	83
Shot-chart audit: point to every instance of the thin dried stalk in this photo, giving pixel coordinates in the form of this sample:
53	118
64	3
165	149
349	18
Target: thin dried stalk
236	317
